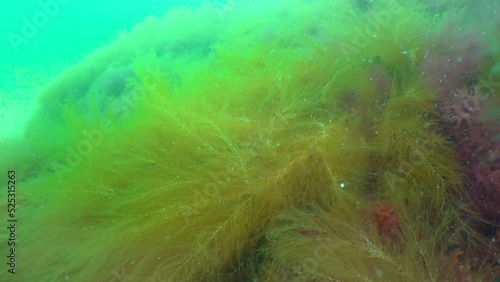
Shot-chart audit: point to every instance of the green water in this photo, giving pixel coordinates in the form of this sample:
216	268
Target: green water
302	140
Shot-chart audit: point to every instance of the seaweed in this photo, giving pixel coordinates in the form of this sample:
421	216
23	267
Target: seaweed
274	156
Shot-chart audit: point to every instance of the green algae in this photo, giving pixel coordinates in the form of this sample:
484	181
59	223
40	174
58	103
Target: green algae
259	138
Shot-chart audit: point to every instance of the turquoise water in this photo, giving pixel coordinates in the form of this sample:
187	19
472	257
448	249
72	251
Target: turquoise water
67	30
43	38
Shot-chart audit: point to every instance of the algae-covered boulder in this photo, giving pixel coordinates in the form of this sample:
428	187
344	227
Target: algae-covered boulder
280	141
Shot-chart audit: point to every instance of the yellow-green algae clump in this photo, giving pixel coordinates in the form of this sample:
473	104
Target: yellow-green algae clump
250	144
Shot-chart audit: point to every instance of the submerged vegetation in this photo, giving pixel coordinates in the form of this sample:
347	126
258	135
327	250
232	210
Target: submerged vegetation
284	141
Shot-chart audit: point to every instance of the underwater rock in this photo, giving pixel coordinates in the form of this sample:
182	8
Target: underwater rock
273	154
183	48
113	81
